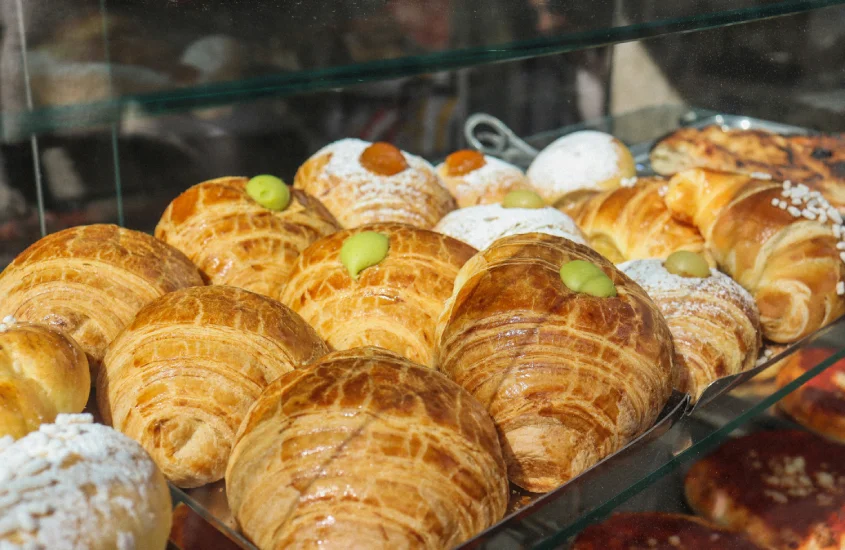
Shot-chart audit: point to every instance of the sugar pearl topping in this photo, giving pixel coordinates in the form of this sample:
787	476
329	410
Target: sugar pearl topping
58	481
801	202
479	226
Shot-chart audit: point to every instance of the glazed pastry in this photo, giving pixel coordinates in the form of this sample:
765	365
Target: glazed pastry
180	378
42	373
819	404
568	377
475	178
659	531
393	304
632	223
778	241
236	241
582	160
362	183
785	489
714	322
90	281
75	484
394	454
815	161
480	226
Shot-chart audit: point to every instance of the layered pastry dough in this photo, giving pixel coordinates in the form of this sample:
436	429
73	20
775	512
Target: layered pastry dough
90	281
778	242
42	373
75	484
632	223
474	178
815	161
714	322
659	531
180	378
480	226
785	489
365	449
586	160
819	404
393	186
235	241
568	378
393	305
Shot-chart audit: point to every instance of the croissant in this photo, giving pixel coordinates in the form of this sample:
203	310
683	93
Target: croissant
235	241
90	281
365	449
42	373
567	377
362	183
776	240
76	484
632	223
394	304
181	377
714	322
474	178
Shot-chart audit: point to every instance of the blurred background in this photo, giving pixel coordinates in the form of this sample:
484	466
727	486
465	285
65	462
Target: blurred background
97	124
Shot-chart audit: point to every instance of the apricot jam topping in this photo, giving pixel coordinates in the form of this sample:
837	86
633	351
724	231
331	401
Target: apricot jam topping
383	159
464	162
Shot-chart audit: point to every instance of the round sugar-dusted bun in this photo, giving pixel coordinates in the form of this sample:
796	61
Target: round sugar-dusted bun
475	178
362	182
75	484
581	160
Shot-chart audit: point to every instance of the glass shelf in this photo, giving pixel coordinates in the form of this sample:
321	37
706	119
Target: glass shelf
90	62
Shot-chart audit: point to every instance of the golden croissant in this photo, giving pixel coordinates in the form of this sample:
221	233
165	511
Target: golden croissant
632	223
394	304
42	373
568	378
714	322
180	378
776	240
365	449
362	183
235	241
90	281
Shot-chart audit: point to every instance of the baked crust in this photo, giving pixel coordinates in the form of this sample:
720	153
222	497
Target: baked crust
364	448
819	404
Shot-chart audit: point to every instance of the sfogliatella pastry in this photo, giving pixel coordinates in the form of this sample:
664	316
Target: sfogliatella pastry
480	226
585	160
365	449
244	233
818	404
475	178
632	222
378	285
90	281
76	484
714	322
784	488
816	161
362	182
659	531
780	242
42	373
180	378
571	357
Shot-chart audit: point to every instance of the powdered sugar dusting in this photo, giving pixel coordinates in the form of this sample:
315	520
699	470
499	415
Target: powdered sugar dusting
475	182
480	226
580	160
57	482
653	277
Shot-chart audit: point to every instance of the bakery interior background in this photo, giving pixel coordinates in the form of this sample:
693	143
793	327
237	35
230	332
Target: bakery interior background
787	69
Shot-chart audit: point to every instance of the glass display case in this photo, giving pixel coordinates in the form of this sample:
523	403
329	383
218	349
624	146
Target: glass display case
112	109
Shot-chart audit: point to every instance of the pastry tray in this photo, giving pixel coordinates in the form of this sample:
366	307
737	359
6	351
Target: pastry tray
532	518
